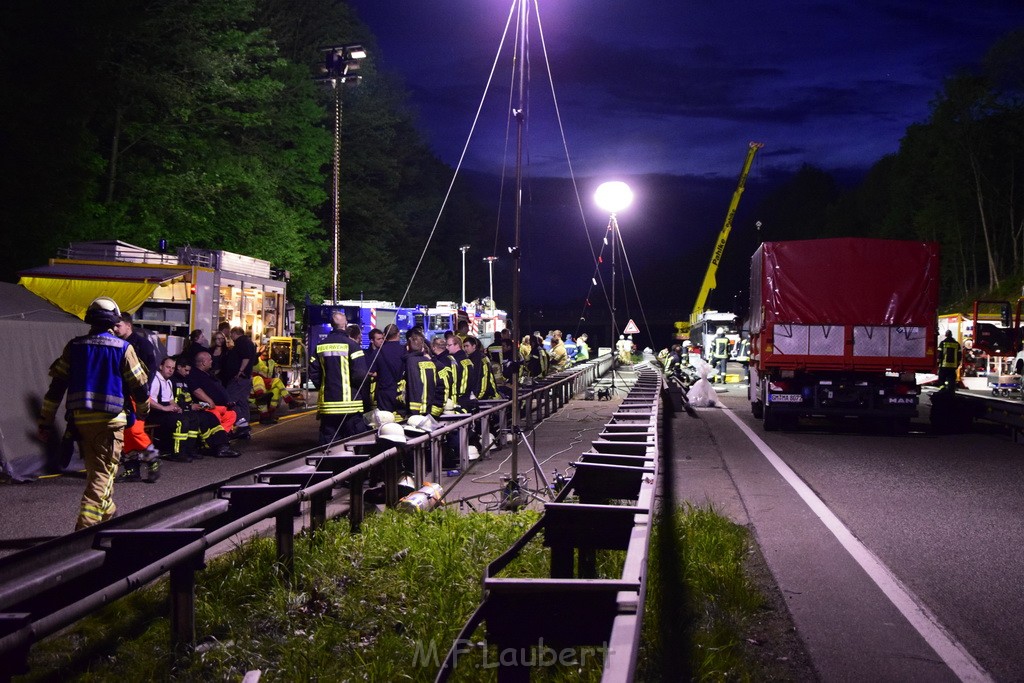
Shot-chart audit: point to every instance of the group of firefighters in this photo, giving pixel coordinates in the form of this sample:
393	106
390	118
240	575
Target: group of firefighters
112	390
718	352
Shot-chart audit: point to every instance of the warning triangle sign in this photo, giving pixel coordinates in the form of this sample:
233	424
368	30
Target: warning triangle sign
631	328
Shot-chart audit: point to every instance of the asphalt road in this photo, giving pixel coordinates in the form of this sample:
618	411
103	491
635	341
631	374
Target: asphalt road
48	507
944	514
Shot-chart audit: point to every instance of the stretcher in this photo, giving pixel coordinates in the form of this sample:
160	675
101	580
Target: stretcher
1004	385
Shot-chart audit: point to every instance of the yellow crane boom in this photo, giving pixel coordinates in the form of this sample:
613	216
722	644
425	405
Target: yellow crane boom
716	255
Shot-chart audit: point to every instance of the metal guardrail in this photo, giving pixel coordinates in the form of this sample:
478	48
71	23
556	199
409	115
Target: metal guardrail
1005	411
565	612
53	585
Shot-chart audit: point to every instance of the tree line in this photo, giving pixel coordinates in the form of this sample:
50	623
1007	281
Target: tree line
957	178
202	122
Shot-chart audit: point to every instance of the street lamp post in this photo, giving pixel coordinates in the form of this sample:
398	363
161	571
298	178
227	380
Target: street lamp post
613	197
340	61
464	248
490	274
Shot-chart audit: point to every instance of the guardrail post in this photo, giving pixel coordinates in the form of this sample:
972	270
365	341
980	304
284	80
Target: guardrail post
15	660
318	510
391	473
563	556
355	502
284	533
484	425
183	607
503	420
464	447
420	455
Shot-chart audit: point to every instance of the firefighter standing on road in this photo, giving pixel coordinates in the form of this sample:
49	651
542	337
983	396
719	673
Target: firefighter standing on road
743	356
338	371
720	354
99	372
949	360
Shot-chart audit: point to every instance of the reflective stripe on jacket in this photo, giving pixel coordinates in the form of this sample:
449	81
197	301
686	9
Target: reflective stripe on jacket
949	354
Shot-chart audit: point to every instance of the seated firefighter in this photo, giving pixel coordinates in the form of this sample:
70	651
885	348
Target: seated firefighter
268	389
185	429
211	394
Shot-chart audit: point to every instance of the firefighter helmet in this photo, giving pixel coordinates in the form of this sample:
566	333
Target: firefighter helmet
391	431
721	330
103	311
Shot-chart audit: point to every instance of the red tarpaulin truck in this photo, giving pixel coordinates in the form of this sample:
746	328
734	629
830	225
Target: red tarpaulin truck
840	327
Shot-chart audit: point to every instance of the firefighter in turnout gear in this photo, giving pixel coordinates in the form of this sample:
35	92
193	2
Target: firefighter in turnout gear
100	373
743	356
337	371
950	356
720	354
421	378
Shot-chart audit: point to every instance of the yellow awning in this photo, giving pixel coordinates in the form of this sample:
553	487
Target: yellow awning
73	285
74	296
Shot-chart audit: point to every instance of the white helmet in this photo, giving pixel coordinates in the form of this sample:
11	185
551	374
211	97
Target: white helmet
721	330
421	423
377	418
103	311
391	432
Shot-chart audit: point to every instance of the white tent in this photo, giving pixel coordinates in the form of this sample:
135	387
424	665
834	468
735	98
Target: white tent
33	333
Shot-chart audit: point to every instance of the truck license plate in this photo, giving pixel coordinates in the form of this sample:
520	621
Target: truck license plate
785	398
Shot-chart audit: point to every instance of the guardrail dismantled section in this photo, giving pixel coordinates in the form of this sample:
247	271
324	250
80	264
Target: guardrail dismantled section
613	490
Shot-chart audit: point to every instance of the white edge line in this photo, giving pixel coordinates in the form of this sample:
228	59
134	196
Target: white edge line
950	650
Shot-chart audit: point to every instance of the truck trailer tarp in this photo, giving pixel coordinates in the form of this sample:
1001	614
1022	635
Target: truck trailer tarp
851	281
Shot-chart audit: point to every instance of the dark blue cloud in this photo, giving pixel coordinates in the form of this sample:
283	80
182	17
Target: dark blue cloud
680	87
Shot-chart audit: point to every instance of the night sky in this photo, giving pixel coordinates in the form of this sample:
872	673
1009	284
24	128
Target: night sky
651	90
663	87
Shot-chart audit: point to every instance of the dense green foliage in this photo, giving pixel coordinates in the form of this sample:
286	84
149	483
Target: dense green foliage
203	123
957	178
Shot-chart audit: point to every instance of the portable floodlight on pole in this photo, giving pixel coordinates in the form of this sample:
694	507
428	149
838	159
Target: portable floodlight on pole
340	63
613	197
490	274
464	248
520	116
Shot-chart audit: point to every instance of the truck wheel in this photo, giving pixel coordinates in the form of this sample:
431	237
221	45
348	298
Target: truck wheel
757	409
771	418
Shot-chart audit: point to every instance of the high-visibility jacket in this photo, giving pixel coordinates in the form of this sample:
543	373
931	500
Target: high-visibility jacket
266	368
182	395
421	385
582	351
445	393
743	351
338	371
494	351
559	357
720	348
98	372
480	379
949	354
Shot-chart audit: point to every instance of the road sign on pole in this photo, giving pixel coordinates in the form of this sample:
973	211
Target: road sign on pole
631	328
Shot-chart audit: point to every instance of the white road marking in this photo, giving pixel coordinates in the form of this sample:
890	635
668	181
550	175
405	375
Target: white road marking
946	646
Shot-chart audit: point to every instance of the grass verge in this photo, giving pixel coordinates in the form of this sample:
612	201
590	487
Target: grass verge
384	605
